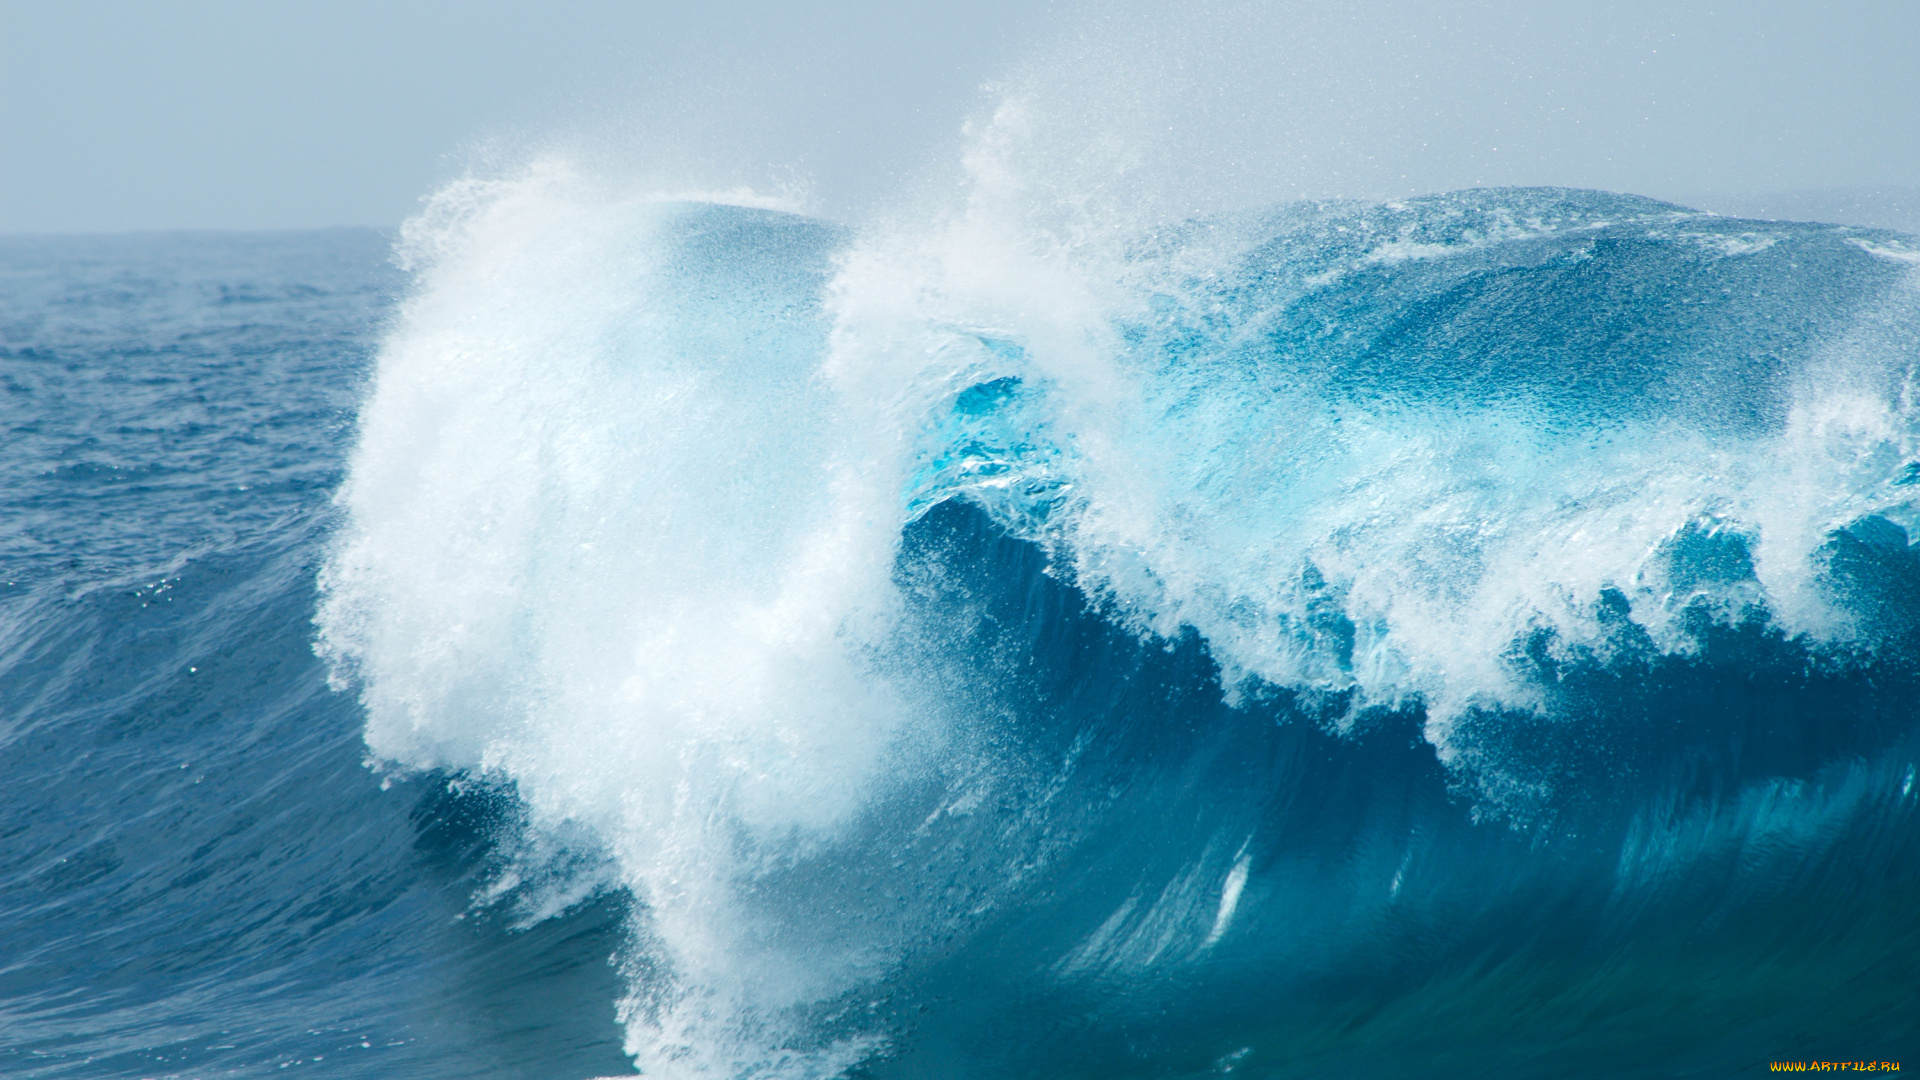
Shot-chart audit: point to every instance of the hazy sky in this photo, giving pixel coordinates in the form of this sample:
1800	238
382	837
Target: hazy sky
206	113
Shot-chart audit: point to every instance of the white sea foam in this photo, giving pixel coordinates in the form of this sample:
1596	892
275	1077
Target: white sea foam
1894	250
1236	498
610	536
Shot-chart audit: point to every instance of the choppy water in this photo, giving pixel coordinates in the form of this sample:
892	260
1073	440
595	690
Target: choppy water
1477	632
198	877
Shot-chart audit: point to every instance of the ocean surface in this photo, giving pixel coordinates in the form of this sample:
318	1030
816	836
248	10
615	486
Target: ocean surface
1478	634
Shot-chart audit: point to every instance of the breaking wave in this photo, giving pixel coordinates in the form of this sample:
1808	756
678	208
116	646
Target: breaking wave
995	643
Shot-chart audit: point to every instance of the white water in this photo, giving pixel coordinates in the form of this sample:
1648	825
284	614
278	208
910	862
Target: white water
1199	488
611	536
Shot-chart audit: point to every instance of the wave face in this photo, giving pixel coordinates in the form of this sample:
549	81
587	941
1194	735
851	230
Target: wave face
1477	630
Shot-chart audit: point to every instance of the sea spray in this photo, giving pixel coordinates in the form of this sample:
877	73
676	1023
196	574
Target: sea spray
609	537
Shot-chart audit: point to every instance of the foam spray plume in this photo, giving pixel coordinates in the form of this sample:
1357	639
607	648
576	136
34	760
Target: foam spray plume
1030	637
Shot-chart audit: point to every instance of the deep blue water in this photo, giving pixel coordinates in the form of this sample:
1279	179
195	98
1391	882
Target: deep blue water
201	878
1479	633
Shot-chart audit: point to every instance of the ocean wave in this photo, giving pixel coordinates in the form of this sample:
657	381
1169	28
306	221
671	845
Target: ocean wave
1060	626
